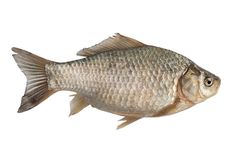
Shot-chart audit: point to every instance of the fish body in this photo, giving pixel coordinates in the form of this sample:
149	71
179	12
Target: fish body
138	81
120	75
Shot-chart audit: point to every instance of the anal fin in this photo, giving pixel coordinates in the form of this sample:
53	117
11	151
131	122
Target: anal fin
127	120
77	104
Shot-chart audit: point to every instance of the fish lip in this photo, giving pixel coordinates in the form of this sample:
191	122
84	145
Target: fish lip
219	83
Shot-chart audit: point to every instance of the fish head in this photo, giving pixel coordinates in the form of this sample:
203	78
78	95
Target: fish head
209	84
198	84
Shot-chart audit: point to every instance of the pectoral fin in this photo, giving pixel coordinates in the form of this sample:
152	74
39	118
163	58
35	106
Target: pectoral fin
77	104
126	121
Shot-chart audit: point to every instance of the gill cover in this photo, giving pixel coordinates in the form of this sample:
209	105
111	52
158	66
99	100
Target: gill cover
190	83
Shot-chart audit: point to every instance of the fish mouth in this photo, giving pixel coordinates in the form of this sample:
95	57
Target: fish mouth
216	86
218	81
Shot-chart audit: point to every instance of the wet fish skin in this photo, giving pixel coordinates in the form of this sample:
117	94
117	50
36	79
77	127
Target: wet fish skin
119	75
138	81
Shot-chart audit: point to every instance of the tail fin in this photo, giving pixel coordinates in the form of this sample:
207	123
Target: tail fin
34	69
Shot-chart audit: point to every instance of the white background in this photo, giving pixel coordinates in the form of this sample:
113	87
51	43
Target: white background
204	31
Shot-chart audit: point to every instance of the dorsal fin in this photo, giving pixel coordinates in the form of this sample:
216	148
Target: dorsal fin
117	42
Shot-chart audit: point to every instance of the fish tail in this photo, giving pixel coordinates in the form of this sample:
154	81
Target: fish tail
36	89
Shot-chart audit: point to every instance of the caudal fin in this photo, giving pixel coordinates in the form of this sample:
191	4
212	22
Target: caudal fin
36	89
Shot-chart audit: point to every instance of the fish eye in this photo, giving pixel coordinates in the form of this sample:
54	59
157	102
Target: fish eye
208	81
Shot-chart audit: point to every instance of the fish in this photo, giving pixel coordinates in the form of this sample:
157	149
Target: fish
120	75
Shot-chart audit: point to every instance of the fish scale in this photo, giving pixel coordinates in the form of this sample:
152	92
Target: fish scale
100	77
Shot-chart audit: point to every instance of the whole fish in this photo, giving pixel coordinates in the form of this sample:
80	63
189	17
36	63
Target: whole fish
120	75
